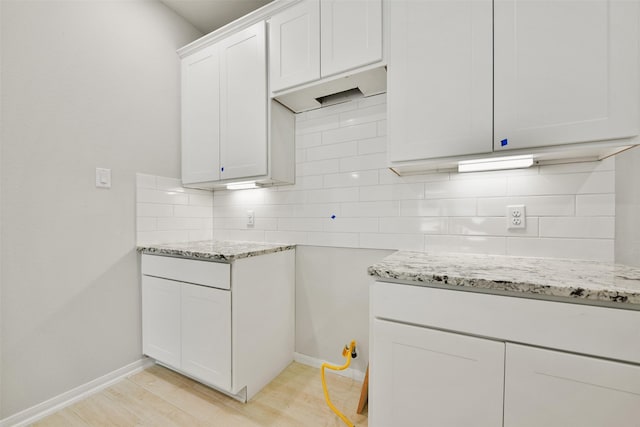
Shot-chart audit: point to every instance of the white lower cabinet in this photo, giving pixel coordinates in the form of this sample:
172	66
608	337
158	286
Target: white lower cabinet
448	358
555	389
429	377
235	337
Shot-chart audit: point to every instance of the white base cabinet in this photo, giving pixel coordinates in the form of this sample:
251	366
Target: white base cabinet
235	337
451	358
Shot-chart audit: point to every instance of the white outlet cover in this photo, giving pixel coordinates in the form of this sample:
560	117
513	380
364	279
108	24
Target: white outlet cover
516	217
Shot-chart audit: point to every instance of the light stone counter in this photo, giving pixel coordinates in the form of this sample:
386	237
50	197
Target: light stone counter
214	250
586	282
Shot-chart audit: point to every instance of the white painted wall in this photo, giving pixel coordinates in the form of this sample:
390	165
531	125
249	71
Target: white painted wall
85	84
332	302
341	171
628	207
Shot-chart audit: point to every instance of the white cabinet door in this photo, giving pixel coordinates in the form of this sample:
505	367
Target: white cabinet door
439	79
565	72
243	104
423	377
206	334
201	117
351	34
294	45
554	389
161	320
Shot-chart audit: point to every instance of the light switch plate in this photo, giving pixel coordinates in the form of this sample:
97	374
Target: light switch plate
103	178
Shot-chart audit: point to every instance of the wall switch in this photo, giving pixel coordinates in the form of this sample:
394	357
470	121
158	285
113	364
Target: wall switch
516	217
103	178
251	218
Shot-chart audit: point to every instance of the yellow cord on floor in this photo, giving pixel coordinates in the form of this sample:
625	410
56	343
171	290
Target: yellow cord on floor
346	353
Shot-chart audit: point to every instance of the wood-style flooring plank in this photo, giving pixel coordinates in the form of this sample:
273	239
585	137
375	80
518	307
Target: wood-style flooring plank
160	397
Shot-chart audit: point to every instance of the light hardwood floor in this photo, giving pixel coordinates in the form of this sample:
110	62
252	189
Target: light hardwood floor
159	397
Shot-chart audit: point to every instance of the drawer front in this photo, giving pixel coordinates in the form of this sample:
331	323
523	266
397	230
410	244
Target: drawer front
212	274
597	331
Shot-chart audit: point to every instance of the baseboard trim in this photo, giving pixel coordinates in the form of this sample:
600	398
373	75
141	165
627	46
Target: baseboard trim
48	407
316	363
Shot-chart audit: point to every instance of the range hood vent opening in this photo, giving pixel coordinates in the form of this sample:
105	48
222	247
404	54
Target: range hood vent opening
340	97
331	91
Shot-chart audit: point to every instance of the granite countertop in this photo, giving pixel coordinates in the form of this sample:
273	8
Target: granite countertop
547	278
214	250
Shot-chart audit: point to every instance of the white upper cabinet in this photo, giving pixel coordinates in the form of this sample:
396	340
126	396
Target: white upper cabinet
350	34
467	78
243	104
200	116
565	72
439	79
320	38
295	45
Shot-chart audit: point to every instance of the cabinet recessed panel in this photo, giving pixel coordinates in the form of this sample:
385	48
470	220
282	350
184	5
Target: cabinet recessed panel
554	389
161	320
243	111
421	376
206	334
565	72
439	79
200	117
351	34
294	53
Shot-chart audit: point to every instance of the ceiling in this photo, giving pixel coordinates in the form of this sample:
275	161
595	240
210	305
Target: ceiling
209	15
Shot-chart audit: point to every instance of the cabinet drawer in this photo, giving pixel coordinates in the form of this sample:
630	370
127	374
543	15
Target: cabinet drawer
213	274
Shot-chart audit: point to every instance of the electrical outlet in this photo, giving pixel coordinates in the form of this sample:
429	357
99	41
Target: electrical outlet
251	218
516	217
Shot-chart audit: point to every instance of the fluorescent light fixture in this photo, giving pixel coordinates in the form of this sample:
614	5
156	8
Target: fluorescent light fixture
496	163
241	185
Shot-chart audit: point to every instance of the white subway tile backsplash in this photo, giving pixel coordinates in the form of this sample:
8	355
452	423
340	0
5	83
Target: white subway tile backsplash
417	225
392	192
351	179
595	205
319	167
372	145
341	167
592	227
317	124
316	210
301	224
490	187
148	195
548	184
491	226
407	242
177	223
346	224
350	133
146	224
370	209
535	205
343	240
466	244
192	211
438	207
333	151
170	184
589	249
332	195
153	210
290	237
364	162
364	115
